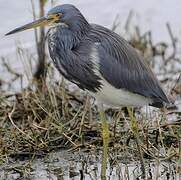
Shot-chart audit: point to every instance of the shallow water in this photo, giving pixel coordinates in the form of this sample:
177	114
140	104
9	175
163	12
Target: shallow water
67	165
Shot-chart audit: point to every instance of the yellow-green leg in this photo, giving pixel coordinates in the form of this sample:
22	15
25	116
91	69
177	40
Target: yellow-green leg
135	128
105	136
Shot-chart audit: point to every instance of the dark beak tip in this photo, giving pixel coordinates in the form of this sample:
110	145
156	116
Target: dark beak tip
7	34
11	32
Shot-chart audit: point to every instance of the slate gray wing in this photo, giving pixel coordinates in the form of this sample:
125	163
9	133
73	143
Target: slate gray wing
75	65
123	67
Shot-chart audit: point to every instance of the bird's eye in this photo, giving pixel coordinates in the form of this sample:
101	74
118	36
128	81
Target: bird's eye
58	15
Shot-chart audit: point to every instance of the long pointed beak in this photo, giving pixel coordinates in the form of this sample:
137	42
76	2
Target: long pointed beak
40	22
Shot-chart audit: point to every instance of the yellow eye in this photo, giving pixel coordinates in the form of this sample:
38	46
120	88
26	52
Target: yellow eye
55	17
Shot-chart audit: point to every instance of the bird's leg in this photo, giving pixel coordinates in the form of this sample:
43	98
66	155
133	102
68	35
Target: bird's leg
135	128
105	136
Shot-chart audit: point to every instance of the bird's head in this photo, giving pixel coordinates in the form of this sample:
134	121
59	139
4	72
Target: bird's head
65	15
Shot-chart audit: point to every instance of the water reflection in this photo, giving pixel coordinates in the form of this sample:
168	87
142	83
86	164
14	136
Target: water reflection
67	165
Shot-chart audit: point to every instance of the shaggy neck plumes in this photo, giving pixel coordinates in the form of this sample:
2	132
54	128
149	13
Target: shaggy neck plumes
69	33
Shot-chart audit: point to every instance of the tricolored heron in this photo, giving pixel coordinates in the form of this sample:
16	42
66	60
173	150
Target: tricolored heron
100	61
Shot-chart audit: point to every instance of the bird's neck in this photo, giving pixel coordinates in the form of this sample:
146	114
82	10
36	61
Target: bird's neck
67	38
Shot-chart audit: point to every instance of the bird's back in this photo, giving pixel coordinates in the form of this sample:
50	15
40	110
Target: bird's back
123	67
105	64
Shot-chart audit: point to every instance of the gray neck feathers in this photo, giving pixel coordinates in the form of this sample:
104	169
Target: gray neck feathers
66	37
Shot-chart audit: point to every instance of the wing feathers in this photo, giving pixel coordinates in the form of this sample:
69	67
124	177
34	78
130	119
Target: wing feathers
123	67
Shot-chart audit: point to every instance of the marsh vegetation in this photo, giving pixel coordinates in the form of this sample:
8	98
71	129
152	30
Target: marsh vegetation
50	129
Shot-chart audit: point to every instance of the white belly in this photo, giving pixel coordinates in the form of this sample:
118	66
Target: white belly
118	97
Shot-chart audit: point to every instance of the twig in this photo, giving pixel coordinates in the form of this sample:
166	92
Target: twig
69	139
83	115
129	18
9	69
12	122
34	18
173	39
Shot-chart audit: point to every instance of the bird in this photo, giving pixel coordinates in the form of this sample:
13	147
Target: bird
99	61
